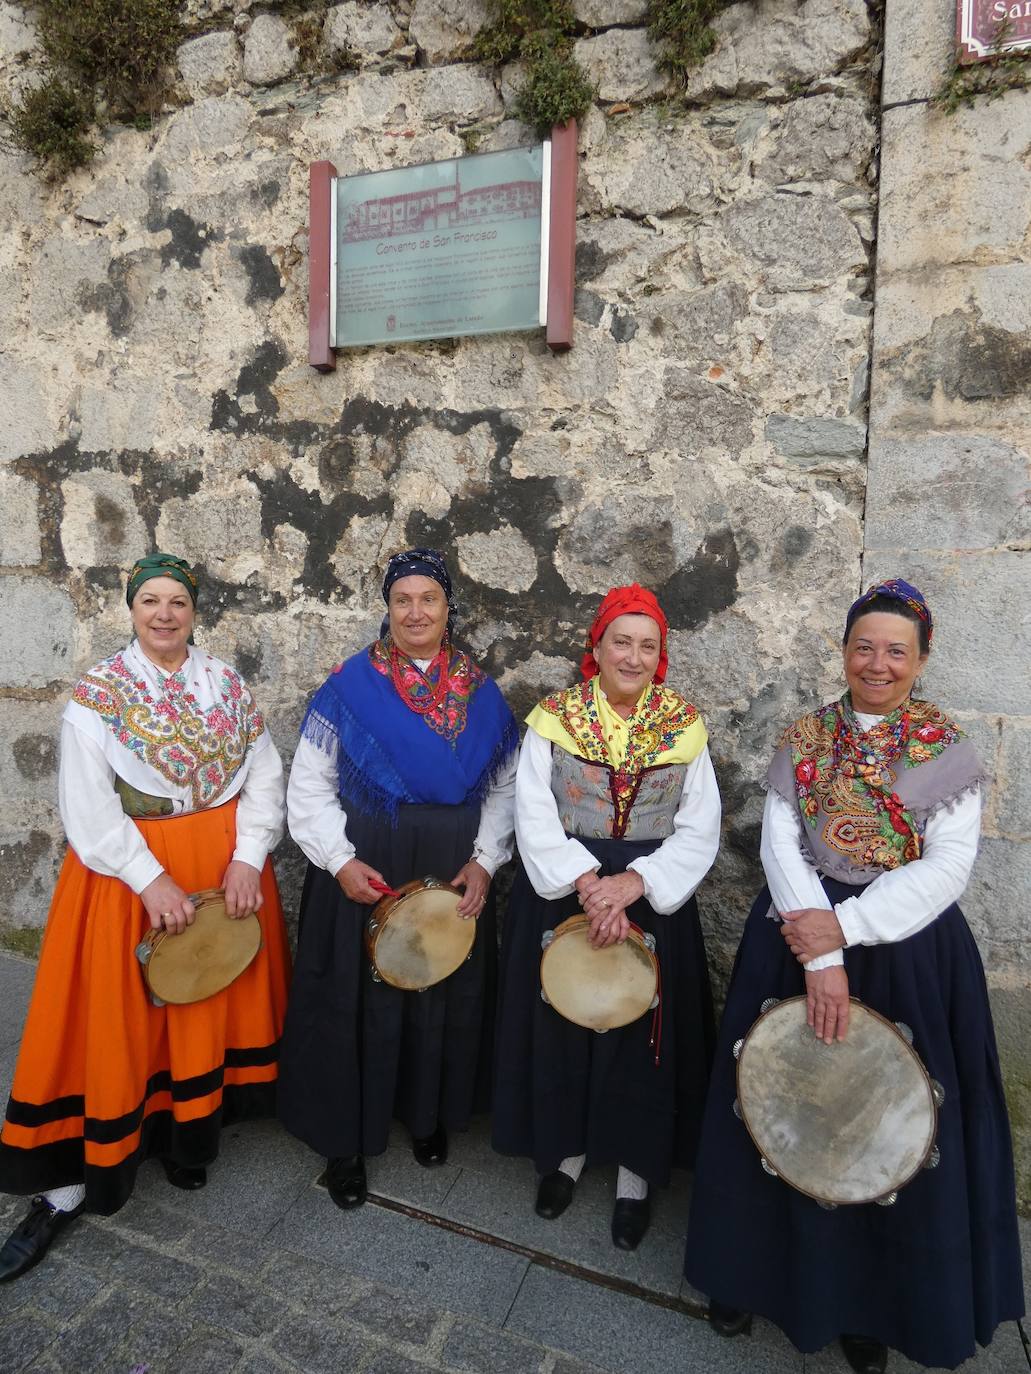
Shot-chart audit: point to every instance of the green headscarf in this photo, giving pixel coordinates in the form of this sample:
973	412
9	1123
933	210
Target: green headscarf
160	565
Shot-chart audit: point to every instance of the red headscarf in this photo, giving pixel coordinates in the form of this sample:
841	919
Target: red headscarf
632	600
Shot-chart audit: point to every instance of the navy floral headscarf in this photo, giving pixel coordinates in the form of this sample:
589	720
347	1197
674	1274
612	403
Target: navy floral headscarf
420	563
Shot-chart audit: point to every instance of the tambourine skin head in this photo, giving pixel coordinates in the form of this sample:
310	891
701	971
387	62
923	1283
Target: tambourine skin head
599	989
846	1123
205	958
417	939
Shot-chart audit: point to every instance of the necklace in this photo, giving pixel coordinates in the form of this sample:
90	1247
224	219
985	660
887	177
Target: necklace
436	695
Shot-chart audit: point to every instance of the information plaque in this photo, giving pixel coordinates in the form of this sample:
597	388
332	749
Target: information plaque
474	245
990	28
441	249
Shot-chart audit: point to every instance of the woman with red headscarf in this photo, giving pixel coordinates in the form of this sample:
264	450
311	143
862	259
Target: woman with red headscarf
618	815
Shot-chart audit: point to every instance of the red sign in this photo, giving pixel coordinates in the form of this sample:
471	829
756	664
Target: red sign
991	28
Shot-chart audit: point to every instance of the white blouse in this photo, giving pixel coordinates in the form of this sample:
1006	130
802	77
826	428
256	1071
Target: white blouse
103	836
554	861
895	905
318	823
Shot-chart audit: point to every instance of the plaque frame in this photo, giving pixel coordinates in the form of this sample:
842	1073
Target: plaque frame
970	42
558	248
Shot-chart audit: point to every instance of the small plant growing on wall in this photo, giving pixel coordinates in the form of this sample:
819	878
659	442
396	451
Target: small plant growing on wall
538	33
682	31
1006	71
120	52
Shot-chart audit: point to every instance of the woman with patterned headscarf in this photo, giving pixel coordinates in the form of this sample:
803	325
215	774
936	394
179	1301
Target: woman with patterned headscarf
617	814
869	835
405	768
169	784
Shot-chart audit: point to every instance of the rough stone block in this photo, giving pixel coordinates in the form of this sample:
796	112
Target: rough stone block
391	1315
233	1304
211	125
821	138
816	439
954	491
309	1285
599	14
37	624
124	414
443	29
640	169
268	53
999	923
799	242
209	65
978	599
982	206
1013	782
909	304
1011	1012
19	526
696	415
919	49
775	43
28	748
100	524
622	64
320	1348
501	558
222	531
22	1337
460	93
64	270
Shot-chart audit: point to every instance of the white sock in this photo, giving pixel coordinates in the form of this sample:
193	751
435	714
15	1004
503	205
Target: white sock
66	1199
631	1185
573	1167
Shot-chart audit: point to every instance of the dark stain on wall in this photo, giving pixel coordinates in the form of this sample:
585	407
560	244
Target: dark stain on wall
255	380
705	585
189	238
968	359
263	283
35	756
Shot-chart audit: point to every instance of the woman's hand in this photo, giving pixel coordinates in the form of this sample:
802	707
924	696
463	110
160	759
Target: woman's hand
811	932
827	1003
617	893
609	927
167	905
474	879
354	876
242	884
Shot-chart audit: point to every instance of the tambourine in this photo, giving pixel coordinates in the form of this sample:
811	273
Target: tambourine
599	989
845	1123
415	938
205	958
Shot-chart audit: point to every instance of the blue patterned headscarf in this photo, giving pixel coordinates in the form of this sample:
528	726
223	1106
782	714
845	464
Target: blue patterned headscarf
420	563
894	589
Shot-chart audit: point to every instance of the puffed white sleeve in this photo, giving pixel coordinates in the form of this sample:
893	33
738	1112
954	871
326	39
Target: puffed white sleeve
99	831
553	861
672	872
793	882
315	818
905	900
493	844
261	813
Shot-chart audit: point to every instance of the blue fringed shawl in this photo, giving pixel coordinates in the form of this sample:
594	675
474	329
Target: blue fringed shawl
388	755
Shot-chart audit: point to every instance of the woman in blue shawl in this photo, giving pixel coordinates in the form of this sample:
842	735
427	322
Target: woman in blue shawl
405	767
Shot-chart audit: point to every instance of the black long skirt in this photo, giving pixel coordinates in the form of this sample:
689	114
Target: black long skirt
357	1053
928	1276
560	1090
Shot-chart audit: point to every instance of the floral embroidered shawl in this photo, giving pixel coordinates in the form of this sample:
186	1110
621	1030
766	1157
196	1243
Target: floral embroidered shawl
193	730
865	796
664	729
388	754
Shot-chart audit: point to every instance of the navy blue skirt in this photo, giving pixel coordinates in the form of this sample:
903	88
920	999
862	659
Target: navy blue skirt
357	1053
941	1268
560	1090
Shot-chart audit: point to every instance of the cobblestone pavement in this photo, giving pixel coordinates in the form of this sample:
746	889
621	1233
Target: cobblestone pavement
445	1270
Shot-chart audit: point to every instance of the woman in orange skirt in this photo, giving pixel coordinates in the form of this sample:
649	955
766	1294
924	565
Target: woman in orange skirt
169	784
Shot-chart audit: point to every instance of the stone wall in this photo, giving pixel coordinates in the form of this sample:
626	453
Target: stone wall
948	494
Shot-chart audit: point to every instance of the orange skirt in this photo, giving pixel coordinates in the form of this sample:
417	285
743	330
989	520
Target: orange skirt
104	1078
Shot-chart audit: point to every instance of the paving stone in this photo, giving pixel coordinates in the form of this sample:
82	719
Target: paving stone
318	1347
470	1345
93	1244
55	1287
391	1362
22	1338
152	1222
310	1285
207	1352
89	1345
212	1245
233	1303
390	1314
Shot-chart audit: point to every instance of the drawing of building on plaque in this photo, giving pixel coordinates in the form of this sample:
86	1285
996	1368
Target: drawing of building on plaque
442	207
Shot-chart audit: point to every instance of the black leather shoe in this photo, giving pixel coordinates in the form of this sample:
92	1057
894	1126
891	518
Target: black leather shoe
346	1181
554	1194
729	1321
864	1355
184	1176
430	1150
630	1218
30	1240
